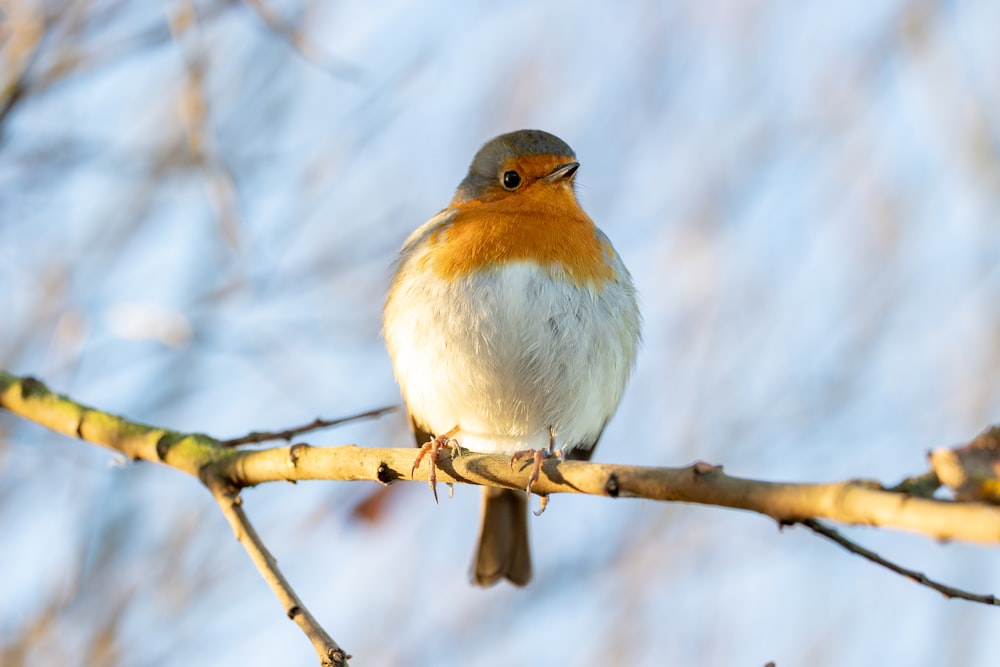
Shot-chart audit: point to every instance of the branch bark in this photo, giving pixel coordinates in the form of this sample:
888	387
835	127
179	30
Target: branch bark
226	470
856	502
193	453
330	654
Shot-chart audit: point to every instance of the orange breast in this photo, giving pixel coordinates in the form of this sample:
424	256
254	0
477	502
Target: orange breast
544	223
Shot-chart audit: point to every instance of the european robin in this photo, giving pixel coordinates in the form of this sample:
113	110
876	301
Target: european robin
513	326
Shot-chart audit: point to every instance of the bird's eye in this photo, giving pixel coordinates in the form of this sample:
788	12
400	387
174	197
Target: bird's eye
511	179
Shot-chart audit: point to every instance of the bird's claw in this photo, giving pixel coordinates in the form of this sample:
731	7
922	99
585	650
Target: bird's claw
433	447
537	456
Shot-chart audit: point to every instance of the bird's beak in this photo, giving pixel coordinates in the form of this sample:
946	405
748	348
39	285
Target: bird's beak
563	172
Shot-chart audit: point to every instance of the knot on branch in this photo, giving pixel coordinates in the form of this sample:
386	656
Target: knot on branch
337	657
84	411
385	474
611	487
295	451
701	468
972	471
31	387
163	445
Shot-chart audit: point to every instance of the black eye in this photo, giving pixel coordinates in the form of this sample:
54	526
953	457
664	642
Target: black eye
511	179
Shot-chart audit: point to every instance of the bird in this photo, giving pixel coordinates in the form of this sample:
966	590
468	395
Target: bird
513	326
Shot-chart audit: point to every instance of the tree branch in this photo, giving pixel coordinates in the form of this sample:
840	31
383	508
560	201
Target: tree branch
302	45
192	453
919	577
226	470
330	654
264	436
854	502
851	502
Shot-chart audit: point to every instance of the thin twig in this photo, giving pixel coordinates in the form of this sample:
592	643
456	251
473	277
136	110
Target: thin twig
919	577
316	424
330	654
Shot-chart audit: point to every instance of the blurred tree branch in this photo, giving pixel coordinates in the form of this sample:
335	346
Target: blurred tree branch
298	40
226	471
43	45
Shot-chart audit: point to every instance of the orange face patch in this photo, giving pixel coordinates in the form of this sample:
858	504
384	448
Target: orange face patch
540	222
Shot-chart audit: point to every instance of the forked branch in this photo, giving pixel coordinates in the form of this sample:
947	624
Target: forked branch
226	469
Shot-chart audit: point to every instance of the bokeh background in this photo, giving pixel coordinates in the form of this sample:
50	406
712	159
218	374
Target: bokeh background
199	204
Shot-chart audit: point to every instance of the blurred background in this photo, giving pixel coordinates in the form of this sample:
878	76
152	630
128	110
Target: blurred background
199	206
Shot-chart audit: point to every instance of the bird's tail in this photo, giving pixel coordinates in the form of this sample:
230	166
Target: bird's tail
503	539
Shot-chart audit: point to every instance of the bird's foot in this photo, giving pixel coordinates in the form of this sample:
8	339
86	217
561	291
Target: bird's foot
537	456
435	445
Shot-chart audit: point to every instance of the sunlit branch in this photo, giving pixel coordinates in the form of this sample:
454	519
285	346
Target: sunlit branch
226	470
